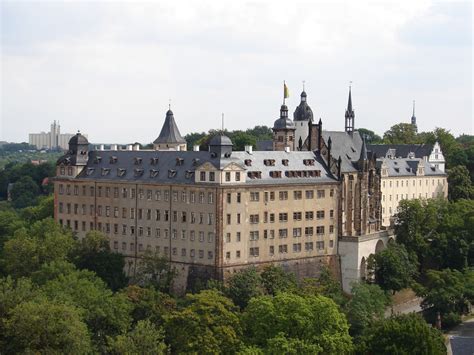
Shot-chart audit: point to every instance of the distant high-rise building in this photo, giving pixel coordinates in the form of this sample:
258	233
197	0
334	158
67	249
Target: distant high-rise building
53	139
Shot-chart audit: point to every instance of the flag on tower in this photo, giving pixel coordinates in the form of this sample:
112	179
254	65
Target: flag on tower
286	92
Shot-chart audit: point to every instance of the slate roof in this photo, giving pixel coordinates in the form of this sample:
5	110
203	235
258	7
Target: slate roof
178	167
303	112
169	132
346	146
402	150
265	145
408	167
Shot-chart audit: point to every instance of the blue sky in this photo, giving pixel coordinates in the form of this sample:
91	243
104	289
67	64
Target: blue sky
109	68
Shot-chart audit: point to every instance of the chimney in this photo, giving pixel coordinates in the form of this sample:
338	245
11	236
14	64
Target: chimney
287	149
196	148
101	147
136	147
113	147
249	149
129	147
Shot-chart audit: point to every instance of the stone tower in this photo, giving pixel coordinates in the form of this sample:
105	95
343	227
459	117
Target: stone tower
283	131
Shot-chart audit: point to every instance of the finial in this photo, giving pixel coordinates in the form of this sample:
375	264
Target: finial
350	85
413	108
222	122
303	84
169	104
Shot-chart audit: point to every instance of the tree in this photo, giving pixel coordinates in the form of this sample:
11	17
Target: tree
93	253
207	324
28	249
393	268
243	286
241	139
403	334
401	133
192	139
44	326
368	304
24	192
44	209
445	291
145	338
325	285
459	183
149	303
370	136
105	313
313	320
275	279
155	270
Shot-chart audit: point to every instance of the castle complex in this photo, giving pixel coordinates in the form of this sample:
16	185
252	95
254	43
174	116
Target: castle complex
316	198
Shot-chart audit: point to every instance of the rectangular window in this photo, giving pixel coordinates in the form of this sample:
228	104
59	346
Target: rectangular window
297	247
272	217
254	218
320	230
283	217
254	196
296	232
283	233
254	251
254	235
321	194
227	176
297	216
319	214
308	246
202	176
283	195
283	248
309	194
237	176
229	198
297	195
238	236
238	197
271	251
320	245
309	215
308	231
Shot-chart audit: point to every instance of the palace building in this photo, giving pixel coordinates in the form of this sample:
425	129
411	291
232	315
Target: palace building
313	198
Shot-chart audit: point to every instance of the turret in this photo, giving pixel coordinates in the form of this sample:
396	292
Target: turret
169	138
350	115
283	131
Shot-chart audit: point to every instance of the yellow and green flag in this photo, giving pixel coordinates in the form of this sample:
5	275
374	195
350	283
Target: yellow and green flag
286	92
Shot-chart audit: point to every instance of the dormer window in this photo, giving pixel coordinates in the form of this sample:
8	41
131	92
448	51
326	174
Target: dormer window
202	176
248	162
397	170
121	172
212	176
408	170
171	173
137	161
308	162
196	161
154	173
275	174
154	161
254	174
269	162
138	172
285	162
213	155
189	174
68	160
97	159
90	171
113	159
179	161
105	171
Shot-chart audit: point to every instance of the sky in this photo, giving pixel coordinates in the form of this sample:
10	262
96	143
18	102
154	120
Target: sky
110	69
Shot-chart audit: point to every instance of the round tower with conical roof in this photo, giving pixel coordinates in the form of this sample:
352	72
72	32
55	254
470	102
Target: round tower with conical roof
169	138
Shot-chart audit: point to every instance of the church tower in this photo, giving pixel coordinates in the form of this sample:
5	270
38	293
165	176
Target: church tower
301	117
349	115
283	131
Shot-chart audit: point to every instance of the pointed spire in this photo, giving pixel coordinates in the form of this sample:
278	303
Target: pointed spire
349	113
413	117
349	101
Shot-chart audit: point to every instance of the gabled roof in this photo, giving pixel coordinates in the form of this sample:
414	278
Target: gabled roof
345	145
408	167
402	150
170	132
